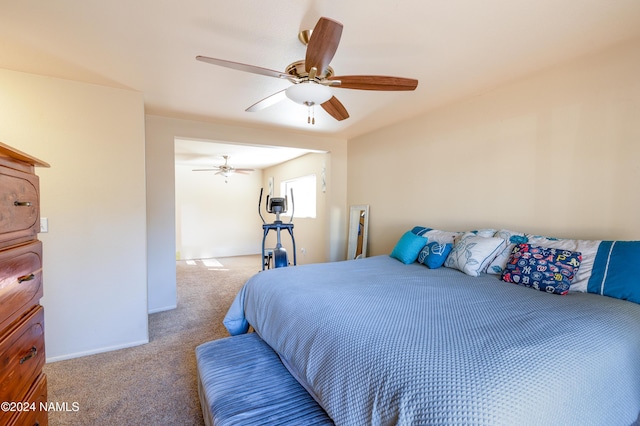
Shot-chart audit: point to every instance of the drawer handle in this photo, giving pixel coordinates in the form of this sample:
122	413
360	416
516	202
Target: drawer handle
22	203
32	352
26	278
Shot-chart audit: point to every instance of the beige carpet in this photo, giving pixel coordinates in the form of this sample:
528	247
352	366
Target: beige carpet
154	384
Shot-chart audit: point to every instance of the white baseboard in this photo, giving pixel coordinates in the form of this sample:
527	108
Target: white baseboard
96	351
164	308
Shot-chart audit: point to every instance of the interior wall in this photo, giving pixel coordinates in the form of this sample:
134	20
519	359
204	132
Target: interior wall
160	162
554	154
214	218
95	287
310	233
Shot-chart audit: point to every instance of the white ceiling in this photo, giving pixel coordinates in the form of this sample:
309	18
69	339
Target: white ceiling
455	48
204	154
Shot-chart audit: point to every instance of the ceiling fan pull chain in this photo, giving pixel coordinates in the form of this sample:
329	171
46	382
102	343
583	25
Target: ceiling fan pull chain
313	115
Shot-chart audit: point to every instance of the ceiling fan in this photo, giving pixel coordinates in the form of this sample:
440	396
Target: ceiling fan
313	76
225	170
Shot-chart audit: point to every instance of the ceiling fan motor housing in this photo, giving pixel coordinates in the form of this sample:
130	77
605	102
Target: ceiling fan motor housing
297	70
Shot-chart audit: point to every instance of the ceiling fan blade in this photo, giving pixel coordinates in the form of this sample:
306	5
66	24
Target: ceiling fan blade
323	44
375	82
243	170
268	101
243	67
335	109
204	170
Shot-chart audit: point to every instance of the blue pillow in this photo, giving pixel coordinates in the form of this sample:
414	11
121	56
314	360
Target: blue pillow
420	230
408	247
543	268
434	254
615	270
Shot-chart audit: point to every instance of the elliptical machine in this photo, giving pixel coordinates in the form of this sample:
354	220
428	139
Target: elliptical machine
277	206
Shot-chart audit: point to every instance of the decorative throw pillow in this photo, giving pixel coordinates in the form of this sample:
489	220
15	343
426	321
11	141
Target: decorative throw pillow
543	268
512	238
588	249
408	247
471	254
434	254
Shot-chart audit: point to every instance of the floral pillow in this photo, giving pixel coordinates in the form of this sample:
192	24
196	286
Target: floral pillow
543	268
434	254
471	253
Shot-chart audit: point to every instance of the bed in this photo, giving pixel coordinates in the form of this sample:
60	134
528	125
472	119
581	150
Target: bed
378	341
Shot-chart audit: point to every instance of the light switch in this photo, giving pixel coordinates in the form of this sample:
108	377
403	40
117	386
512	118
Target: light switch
44	224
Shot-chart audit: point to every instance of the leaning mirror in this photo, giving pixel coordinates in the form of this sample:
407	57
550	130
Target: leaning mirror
358	226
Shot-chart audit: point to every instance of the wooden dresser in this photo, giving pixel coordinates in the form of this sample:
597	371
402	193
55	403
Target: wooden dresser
23	386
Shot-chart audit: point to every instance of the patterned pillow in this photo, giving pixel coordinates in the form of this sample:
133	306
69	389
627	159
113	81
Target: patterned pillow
544	268
408	247
471	254
588	248
434	254
512	238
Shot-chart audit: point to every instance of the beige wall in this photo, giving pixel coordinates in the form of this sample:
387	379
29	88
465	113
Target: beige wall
557	153
214	218
95	286
311	234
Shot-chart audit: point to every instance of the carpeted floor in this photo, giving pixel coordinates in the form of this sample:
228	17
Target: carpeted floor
154	384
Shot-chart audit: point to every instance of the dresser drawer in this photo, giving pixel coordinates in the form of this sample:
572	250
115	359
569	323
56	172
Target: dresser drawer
33	415
19	206
20	281
21	357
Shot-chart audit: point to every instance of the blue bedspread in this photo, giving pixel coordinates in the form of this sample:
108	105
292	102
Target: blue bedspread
378	342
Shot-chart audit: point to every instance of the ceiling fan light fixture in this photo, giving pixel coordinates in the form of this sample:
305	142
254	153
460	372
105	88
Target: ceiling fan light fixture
309	93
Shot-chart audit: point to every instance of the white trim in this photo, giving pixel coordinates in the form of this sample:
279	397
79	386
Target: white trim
606	269
96	351
162	309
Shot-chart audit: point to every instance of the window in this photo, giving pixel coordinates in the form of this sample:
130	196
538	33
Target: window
304	196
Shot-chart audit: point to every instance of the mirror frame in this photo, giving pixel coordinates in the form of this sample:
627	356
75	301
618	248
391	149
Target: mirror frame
354	221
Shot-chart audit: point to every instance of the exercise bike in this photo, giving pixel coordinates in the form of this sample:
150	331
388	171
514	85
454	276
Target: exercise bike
277	206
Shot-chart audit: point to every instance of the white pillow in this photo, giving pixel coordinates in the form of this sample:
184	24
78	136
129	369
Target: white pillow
511	238
471	254
589	250
557	243
487	232
442	237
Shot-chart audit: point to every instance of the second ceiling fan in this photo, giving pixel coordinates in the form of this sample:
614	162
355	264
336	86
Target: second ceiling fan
313	76
225	170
